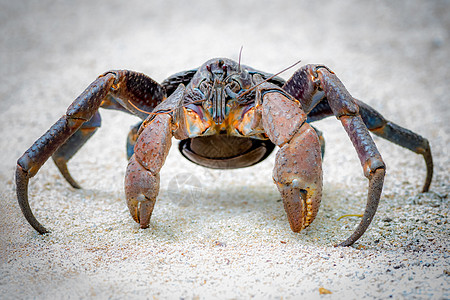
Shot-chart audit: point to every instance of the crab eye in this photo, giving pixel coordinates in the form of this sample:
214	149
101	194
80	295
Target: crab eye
234	86
205	87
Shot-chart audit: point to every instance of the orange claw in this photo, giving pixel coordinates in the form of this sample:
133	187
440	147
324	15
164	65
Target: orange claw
142	177
298	175
298	169
141	189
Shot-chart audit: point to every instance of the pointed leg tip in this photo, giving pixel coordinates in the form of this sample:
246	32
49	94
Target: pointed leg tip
43	231
425	189
426	186
35	223
429	164
75	185
373	198
346	243
61	164
22	178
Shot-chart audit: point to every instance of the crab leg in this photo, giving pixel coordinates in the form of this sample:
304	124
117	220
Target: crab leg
322	93
142	176
67	150
131	139
346	110
398	135
298	165
374	121
81	110
321	140
73	129
374	170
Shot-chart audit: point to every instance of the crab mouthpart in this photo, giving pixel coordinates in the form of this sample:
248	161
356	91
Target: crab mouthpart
219	105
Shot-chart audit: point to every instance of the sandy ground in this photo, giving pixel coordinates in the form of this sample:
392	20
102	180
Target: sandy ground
228	237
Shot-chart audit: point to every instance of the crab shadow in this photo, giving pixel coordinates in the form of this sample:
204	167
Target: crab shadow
249	210
190	210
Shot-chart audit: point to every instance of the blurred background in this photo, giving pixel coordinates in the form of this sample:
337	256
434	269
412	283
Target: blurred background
393	55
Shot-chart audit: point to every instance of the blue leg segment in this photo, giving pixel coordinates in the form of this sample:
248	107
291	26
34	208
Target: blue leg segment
131	139
72	145
321	141
394	133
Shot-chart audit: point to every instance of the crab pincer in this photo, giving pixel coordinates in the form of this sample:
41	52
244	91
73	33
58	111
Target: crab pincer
298	176
142	176
298	169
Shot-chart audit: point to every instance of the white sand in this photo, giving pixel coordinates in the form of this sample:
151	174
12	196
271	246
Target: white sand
232	240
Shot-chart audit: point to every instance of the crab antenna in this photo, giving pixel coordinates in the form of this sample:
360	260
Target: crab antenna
284	70
164	112
201	100
239	61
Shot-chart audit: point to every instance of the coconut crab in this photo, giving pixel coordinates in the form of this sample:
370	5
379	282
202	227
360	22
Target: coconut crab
226	115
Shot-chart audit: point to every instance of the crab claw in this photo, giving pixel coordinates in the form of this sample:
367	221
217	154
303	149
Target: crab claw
298	163
301	204
298	175
142	176
141	189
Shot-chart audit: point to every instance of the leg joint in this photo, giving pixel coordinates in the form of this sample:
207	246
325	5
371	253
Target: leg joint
372	165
